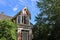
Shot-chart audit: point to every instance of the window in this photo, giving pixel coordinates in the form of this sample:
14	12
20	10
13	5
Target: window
22	19
19	19
25	20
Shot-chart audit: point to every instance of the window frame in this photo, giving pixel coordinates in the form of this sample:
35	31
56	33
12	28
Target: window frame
20	18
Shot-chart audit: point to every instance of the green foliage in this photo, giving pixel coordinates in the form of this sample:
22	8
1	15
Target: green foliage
7	30
47	25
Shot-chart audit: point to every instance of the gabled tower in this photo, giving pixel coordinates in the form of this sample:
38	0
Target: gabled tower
24	30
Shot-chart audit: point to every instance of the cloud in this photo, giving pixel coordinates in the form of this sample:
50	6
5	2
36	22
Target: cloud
21	1
34	0
30	4
15	8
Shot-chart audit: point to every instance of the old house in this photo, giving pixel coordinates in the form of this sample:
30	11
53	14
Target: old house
3	16
22	19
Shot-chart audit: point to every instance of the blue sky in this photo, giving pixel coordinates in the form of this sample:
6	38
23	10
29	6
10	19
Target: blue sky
12	7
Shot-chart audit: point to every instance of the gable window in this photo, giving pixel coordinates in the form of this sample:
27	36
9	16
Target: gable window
19	19
22	19
25	20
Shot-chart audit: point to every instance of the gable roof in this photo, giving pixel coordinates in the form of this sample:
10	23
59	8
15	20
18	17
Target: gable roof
3	16
21	12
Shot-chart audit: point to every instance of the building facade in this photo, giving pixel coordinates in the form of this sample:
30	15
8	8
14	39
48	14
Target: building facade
24	27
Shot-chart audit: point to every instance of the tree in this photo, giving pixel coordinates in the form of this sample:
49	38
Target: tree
48	21
7	30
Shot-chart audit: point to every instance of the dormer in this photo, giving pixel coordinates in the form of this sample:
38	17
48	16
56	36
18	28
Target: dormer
22	17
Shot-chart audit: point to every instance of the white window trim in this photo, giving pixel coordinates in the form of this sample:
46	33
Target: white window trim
20	19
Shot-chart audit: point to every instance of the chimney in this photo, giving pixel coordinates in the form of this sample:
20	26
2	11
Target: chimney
2	13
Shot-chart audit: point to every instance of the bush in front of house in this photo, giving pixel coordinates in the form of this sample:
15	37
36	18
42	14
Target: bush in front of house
7	30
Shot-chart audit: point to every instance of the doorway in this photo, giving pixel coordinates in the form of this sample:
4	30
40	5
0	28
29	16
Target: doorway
25	34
